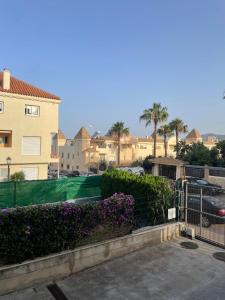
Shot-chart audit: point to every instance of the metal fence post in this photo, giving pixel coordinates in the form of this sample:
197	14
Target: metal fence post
14	194
201	211
186	201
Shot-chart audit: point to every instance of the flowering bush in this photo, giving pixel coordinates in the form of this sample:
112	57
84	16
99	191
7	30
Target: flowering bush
33	231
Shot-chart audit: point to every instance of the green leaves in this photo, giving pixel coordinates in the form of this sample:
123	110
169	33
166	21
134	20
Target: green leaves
153	194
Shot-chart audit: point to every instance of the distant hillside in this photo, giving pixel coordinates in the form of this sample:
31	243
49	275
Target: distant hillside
218	136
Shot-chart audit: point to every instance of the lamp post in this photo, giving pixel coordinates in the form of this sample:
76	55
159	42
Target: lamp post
8	161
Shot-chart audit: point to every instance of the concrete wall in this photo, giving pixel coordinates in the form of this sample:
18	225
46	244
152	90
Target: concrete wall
217	180
63	264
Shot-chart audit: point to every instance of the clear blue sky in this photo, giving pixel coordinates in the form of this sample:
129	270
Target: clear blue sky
110	59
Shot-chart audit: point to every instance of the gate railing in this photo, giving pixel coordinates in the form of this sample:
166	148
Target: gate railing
203	210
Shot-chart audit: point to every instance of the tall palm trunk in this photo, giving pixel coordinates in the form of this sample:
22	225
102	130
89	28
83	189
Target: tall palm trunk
155	137
177	140
118	155
165	145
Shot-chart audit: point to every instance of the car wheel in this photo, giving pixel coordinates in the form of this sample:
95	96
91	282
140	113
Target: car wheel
205	222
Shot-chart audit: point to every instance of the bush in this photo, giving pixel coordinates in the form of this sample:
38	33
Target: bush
18	176
137	163
103	165
29	232
153	195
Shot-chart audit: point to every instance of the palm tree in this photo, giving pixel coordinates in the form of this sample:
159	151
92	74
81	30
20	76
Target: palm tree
156	114
178	126
118	130
166	132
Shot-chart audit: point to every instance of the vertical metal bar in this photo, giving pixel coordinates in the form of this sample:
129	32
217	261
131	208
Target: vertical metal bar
14	193
201	212
186	201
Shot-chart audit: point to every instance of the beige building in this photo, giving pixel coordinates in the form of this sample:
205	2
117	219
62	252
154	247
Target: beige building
194	136
84	152
28	128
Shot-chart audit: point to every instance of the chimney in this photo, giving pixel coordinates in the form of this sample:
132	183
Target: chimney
6	79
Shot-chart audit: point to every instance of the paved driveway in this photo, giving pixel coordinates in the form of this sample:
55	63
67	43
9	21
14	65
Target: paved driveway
167	271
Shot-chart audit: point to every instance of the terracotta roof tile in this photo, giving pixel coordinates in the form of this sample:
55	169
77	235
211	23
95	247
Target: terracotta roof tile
61	135
82	134
22	88
194	134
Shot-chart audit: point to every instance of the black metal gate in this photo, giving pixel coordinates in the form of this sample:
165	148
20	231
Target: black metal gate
203	210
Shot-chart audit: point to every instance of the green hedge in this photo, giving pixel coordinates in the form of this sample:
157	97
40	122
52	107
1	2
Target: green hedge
29	232
153	195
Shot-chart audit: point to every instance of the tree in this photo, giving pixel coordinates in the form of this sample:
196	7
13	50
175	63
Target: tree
103	165
221	147
198	154
166	132
156	114
18	176
147	164
182	149
118	130
178	126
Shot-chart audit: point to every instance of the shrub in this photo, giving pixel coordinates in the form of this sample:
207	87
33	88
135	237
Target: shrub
103	165
18	176
137	163
153	195
29	232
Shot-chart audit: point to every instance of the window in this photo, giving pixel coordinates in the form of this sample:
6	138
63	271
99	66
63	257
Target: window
62	155
68	155
32	110
77	167
73	156
5	138
31	145
68	167
61	165
1	107
110	145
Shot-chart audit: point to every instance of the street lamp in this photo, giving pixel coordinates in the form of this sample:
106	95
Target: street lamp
8	161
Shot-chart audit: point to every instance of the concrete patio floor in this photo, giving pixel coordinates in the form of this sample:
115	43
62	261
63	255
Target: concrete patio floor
166	271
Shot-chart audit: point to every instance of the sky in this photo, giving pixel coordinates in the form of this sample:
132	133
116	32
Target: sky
109	60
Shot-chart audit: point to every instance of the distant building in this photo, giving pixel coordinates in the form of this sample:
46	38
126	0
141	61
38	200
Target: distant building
28	128
84	152
194	137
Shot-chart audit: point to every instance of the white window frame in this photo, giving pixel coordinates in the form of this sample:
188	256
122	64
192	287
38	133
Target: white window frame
1	107
29	112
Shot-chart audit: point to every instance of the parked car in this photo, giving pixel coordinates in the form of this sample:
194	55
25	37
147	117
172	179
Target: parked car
73	174
133	170
63	176
196	184
89	173
213	208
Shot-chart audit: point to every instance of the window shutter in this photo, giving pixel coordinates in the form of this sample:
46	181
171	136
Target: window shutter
31	145
30	173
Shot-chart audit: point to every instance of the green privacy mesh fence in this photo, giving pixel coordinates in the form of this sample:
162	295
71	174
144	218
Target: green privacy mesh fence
47	191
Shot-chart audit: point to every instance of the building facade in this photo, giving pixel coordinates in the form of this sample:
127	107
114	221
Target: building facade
28	128
84	152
